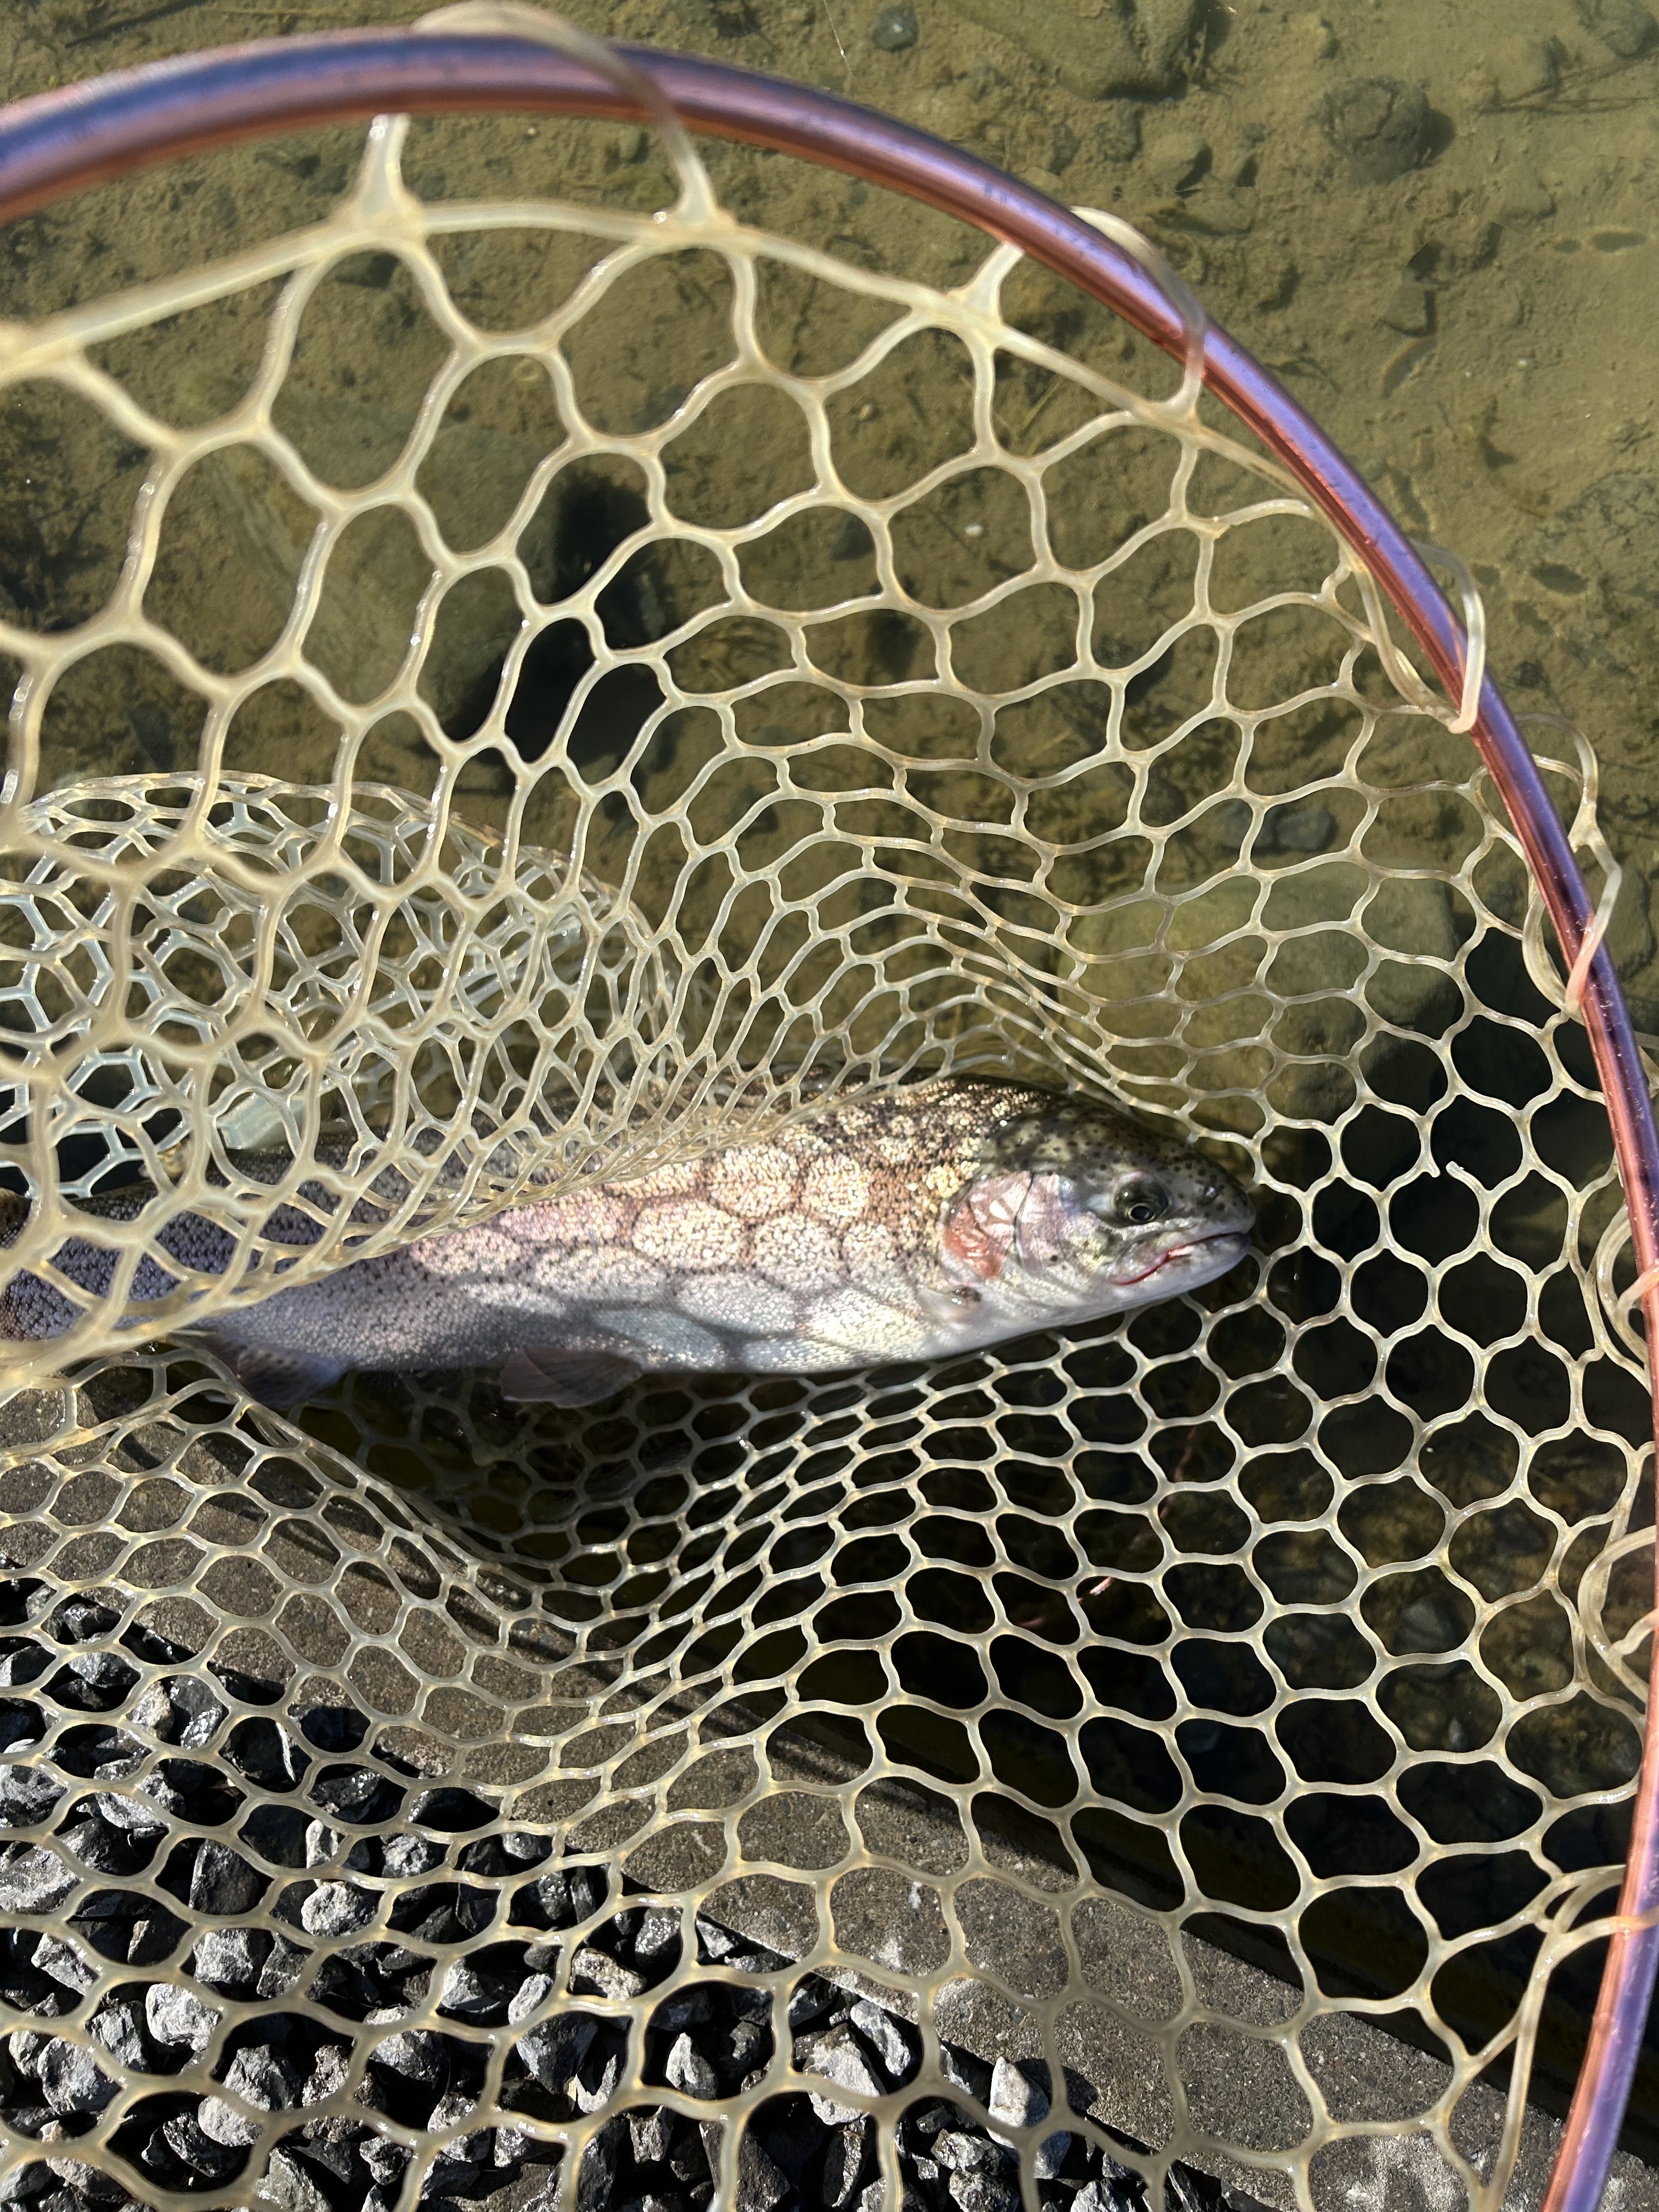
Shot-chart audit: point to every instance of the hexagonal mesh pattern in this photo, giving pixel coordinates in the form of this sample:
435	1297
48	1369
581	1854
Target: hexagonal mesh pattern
1202	1738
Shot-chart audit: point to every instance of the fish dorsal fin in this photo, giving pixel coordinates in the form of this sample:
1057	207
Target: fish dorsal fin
548	1375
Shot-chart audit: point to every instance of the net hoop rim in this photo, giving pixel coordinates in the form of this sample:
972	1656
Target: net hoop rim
55	143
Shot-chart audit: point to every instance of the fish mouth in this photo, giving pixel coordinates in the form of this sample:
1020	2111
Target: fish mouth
1239	1238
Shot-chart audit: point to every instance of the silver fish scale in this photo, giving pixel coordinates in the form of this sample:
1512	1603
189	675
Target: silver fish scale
836	1243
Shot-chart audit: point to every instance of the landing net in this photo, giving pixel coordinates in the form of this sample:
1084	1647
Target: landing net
605	676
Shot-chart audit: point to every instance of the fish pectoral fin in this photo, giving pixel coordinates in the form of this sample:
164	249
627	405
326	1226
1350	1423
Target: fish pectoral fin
548	1375
277	1379
954	1303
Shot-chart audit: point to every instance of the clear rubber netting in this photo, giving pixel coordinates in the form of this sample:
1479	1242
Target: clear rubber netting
688	673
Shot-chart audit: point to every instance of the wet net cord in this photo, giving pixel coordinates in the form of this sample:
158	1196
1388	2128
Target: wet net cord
61	141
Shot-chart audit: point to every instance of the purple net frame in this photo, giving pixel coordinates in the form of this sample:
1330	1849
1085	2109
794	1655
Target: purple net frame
62	141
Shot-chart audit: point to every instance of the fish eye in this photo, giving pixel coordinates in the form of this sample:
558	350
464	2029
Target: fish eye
1140	1200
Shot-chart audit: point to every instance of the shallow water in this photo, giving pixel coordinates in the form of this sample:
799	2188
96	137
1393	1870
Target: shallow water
1476	331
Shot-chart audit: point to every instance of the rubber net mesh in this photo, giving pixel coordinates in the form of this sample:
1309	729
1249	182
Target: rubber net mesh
625	675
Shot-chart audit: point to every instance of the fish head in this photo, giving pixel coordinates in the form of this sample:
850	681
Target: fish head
1073	1211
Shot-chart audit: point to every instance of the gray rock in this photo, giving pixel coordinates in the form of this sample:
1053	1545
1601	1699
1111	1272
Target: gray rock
336	1908
656	1931
173	2015
23	2048
651	2129
598	2179
1410	310
29	1659
750	2044
592	2099
386	2161
754	1960
259	2077
1382	126
118	2027
760	2185
454	2110
1051	2155
533	1992
222	1880
1015	2097
958	2152
468	1994
119	1758
228	1958
810	1999
843	2162
1297	829
460	2166
62	1960
717	1943
416	2052
330	2071
410	1854
1625	27
77	1620
181	1709
968	2073
24	2182
283	1968
896	28
222	2124
96	1844
348	1791
690	2071
688	2009
607	1975
33	1879
84	2185
101	1671
842	2057
555	2048
571	1894
132	1815
28	1794
882	2032
85	2188
983	2192
288	2186
71	2079
322	1844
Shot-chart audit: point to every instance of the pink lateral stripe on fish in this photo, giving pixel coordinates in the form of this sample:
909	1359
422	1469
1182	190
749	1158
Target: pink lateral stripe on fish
923	1222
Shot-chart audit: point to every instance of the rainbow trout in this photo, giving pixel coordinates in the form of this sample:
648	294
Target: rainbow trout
940	1216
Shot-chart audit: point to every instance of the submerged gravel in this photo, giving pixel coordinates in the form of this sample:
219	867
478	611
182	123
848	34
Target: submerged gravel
228	2081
